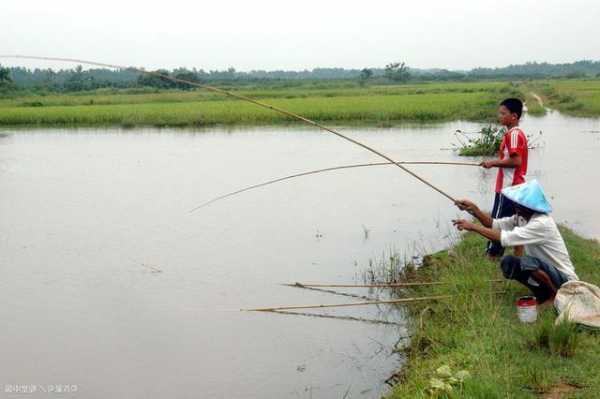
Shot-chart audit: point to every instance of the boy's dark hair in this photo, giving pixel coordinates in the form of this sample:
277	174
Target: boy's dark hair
514	105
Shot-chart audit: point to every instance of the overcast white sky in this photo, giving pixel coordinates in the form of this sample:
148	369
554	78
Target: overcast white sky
279	34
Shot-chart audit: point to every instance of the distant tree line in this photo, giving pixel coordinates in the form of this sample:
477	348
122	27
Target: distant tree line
78	79
6	81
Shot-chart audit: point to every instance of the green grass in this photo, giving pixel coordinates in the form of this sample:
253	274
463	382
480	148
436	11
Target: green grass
478	331
576	97
331	103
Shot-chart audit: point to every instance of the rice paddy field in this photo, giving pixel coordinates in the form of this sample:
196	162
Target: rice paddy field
573	97
333	102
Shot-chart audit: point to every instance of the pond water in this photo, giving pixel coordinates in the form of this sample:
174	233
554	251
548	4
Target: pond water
111	285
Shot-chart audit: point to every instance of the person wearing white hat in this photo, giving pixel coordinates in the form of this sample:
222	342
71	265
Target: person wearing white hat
546	264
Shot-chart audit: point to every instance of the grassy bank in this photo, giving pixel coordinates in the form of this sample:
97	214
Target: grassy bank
573	97
334	103
478	331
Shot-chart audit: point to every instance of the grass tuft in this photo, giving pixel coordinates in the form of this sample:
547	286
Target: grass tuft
564	339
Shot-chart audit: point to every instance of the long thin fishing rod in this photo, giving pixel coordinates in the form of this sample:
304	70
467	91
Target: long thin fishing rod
239	97
390	285
313	172
338	305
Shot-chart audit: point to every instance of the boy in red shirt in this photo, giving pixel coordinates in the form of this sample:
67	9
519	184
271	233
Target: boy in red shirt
512	164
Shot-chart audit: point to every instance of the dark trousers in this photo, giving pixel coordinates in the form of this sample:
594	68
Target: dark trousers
503	207
521	269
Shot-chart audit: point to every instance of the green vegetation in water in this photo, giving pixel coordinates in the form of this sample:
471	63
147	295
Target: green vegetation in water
478	331
335	103
486	142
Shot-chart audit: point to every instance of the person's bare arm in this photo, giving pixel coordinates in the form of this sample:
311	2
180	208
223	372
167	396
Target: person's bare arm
468	206
487	232
514	161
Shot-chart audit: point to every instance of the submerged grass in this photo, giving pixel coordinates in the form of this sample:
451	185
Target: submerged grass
375	105
478	331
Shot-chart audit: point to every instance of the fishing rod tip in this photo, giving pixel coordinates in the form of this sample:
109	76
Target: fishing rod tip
296	284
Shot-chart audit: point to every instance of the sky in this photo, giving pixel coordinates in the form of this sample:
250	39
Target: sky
296	35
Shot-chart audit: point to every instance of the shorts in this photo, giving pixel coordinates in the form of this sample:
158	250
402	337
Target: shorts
503	207
521	268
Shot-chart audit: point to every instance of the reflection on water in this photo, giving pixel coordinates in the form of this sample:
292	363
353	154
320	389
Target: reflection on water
110	284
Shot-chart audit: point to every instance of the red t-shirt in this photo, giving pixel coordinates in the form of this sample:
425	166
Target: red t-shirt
513	142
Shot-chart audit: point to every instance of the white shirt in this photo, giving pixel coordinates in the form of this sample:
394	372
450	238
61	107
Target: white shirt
541	239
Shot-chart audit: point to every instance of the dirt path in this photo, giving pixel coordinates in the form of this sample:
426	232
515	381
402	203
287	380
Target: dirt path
559	391
537	98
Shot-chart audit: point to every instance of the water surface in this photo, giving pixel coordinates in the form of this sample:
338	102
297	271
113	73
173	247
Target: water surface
108	283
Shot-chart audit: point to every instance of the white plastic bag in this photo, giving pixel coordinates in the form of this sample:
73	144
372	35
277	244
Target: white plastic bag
578	302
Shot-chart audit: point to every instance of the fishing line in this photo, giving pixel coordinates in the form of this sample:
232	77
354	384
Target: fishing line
312	172
351	318
328	291
239	97
338	305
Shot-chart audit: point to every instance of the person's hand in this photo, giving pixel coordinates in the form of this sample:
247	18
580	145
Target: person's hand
462	224
487	164
466	205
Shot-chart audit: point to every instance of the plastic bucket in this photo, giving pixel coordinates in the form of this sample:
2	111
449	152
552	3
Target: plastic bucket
527	309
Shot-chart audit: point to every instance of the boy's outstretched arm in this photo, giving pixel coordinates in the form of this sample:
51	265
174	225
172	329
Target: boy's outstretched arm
470	207
487	232
513	161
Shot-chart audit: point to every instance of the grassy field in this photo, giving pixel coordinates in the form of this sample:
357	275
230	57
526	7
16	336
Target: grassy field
573	97
478	331
337	103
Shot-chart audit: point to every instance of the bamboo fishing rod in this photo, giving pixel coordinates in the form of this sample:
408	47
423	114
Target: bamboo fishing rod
338	305
390	285
377	302
239	97
330	169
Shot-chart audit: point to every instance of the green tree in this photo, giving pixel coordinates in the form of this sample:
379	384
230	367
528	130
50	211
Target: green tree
397	72
6	81
365	74
75	82
159	82
185	74
5	75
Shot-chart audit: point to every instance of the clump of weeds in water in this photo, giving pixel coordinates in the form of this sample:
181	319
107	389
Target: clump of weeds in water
366	232
487	141
388	269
